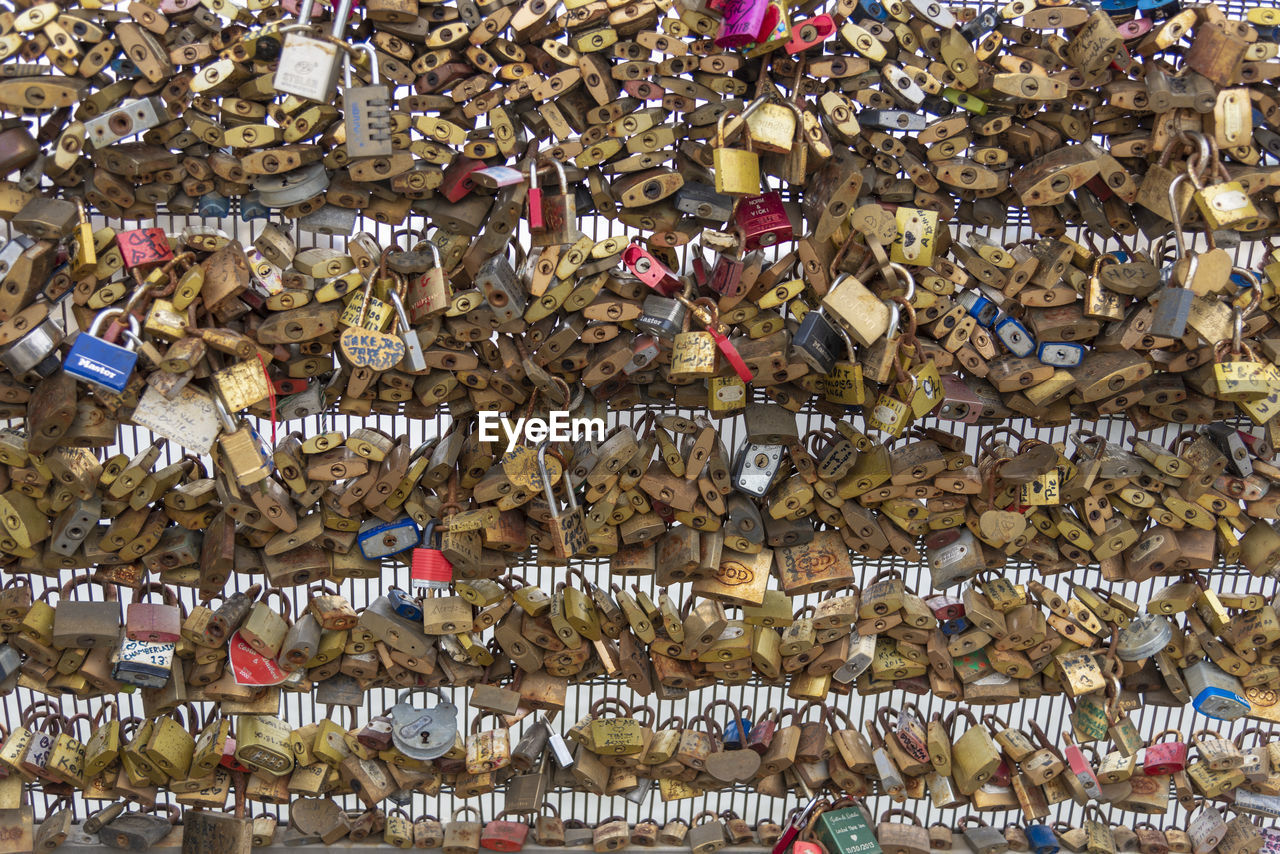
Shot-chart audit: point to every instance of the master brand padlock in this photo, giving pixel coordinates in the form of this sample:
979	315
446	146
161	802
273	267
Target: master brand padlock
819	342
95	360
662	317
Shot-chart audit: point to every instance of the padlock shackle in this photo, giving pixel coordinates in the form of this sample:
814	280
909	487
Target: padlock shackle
340	16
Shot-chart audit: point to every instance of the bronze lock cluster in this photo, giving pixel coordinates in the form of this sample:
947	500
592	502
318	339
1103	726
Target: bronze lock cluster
807	193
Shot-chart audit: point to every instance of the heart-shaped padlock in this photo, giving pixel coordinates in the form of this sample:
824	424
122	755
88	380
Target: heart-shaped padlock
423	733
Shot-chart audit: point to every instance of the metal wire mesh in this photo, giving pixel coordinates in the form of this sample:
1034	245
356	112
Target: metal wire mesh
1050	712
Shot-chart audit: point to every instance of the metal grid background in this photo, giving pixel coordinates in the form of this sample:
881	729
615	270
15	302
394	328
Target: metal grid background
1050	712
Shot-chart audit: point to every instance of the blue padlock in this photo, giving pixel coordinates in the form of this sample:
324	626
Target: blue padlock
251	207
1060	354
213	206
874	9
1158	10
984	22
380	539
954	627
404	605
1042	839
980	307
737	727
1015	336
99	362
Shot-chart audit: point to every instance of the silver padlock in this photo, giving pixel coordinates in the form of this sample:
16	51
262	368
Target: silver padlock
309	66
755	466
367	112
954	556
662	317
129	118
34	355
74	524
502	291
414	361
330	220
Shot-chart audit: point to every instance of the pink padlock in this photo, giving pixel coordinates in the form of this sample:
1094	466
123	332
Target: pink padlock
745	23
1165	757
535	199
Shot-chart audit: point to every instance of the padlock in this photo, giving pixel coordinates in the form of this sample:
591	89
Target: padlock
429	569
555	221
146	621
428	292
309	65
762	221
96	361
378	539
662	317
503	835
503	291
982	838
366	109
240	447
706	833
1173	302
414	361
1224	204
568	536
462	837
139	831
899	837
737	172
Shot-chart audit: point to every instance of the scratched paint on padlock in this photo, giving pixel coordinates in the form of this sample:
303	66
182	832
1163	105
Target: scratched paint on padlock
474	520
520	465
677	790
374	350
143	247
249	667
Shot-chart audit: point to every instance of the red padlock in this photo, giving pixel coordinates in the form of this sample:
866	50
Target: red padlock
151	621
762	221
229	760
726	276
810	33
760	736
945	607
1080	766
457	181
143	248
648	269
501	835
429	568
1165	757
